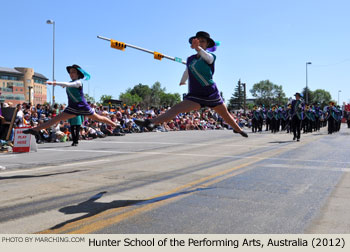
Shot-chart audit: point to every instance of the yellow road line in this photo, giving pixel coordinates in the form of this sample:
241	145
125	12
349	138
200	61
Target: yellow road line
110	211
113	220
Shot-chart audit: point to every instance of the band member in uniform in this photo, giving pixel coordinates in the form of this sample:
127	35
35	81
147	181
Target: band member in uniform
274	119
331	118
261	118
297	116
255	119
317	118
269	116
339	114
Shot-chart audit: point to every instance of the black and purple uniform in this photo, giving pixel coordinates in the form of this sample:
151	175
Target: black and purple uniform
77	104
202	88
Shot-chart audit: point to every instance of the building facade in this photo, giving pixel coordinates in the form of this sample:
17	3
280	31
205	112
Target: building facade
20	84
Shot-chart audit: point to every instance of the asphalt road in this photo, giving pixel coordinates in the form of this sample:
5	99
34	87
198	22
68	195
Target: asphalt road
179	183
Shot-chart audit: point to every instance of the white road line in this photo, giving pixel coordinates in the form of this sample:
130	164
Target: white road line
195	144
199	155
297	166
54	167
7	155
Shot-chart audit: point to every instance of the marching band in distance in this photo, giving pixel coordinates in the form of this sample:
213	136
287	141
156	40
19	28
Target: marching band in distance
296	117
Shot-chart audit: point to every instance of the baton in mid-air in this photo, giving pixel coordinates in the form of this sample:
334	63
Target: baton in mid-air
121	46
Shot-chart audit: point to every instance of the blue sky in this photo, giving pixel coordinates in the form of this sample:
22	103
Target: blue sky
271	39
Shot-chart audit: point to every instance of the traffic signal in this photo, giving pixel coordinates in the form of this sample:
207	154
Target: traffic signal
158	55
118	45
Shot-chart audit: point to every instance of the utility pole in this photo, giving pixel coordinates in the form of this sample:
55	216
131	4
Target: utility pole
239	94
244	97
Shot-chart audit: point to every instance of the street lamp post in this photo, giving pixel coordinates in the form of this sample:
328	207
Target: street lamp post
338	97
53	59
307	89
244	97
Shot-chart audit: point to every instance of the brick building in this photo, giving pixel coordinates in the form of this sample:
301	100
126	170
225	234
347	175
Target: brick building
20	84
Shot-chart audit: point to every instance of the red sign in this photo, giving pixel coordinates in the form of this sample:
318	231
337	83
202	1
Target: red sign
21	141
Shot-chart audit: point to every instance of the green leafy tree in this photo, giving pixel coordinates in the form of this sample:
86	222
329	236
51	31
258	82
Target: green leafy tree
167	99
156	92
142	91
146	96
130	99
268	93
280	96
322	97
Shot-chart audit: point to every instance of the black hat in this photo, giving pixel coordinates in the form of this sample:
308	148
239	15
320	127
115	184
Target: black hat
298	94
80	74
203	34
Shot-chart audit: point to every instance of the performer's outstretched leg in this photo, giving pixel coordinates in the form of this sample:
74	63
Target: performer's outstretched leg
223	112
60	117
187	106
182	107
103	119
63	117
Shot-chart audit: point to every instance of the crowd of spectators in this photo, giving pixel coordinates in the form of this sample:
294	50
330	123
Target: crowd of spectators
28	115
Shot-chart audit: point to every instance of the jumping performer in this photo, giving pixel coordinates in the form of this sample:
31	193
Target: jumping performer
202	89
77	104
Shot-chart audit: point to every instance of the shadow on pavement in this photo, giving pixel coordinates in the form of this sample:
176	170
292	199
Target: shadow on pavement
93	208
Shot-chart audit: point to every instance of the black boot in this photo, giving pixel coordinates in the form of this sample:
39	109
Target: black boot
145	123
31	131
243	134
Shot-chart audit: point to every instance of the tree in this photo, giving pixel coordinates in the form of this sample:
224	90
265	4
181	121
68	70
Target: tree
268	93
89	98
280	96
170	100
142	91
322	97
130	99
149	97
236	101
156	92
104	99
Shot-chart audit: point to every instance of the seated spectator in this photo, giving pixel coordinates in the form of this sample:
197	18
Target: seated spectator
57	135
166	127
97	129
83	133
91	133
67	135
172	126
196	124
